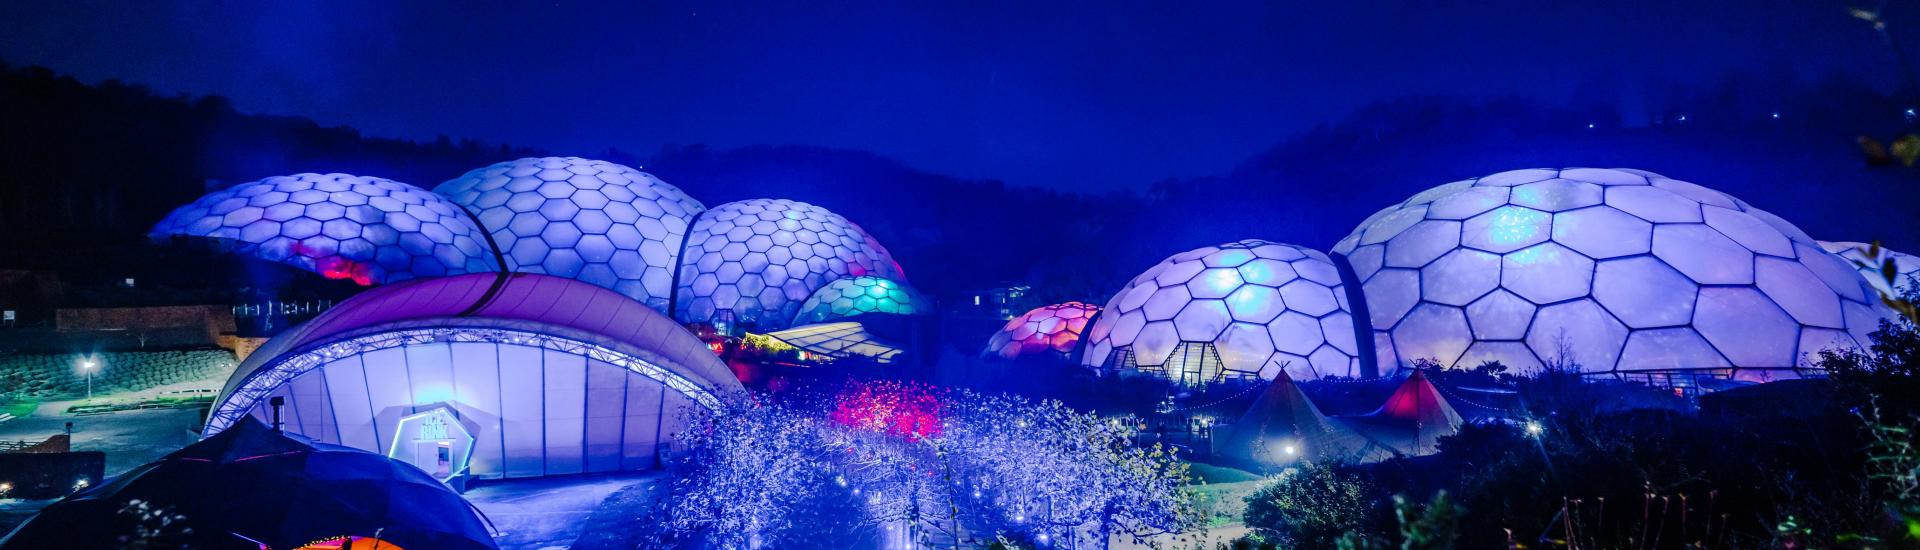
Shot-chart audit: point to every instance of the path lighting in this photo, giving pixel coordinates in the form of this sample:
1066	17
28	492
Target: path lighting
86	367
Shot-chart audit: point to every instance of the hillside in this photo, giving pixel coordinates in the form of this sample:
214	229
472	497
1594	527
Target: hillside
95	165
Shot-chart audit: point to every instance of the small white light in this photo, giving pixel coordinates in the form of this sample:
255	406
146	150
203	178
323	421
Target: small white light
81	483
1534	428
1589	126
1290	450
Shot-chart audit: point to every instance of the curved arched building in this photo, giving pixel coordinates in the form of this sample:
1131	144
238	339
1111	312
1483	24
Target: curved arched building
1619	271
494	375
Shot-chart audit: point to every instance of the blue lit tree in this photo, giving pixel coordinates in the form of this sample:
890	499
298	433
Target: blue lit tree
925	467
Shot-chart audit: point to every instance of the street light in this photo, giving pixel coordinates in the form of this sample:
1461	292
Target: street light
87	367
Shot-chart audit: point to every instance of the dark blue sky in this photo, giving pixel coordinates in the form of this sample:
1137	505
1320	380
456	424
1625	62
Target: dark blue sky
1094	95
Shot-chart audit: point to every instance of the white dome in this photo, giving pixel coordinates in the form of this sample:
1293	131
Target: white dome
1053	329
1615	270
1259	304
370	230
755	261
595	221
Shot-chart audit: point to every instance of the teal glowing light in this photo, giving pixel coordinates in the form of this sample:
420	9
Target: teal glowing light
852	296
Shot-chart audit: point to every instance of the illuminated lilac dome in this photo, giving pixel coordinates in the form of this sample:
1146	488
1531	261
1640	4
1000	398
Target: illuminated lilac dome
1047	330
1906	266
370	230
596	221
1240	309
755	261
852	296
1614	270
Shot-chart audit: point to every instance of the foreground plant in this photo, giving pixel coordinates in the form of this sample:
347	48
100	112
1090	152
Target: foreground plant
915	465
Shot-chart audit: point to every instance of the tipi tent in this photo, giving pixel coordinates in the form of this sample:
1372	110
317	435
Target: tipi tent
1283	426
1412	420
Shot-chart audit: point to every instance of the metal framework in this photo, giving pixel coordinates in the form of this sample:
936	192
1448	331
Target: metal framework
281	371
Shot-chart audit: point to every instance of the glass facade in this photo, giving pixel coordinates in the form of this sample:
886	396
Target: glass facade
544	375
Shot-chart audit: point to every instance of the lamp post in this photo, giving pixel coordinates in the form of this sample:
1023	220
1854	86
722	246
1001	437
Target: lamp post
87	367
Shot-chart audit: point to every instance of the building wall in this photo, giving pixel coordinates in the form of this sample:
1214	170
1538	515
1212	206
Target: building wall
532	411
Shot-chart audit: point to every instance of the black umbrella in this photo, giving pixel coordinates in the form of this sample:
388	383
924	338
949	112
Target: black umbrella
251	487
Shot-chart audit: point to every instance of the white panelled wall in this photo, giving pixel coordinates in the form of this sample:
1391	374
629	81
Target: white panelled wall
532	411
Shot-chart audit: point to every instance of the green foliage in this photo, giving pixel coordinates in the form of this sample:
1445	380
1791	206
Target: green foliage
1882	264
1432	526
1313	506
152	527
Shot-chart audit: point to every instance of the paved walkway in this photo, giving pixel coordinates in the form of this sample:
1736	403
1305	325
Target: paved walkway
533	514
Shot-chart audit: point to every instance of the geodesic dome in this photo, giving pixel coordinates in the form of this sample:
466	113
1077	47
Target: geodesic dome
852	296
1239	309
755	261
1051	329
1906	266
596	221
1616	270
367	229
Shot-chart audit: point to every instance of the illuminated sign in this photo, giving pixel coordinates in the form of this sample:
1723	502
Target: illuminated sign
432	428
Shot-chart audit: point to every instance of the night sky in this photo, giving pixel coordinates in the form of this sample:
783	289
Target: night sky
1090	96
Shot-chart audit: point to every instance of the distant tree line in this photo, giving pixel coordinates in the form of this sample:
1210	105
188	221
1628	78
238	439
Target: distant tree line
93	165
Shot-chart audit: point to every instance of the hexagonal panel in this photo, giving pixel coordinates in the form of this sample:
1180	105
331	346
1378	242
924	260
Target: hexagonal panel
540	211
1644	292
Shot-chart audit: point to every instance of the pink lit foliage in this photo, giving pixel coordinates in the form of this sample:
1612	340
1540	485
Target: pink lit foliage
907	410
